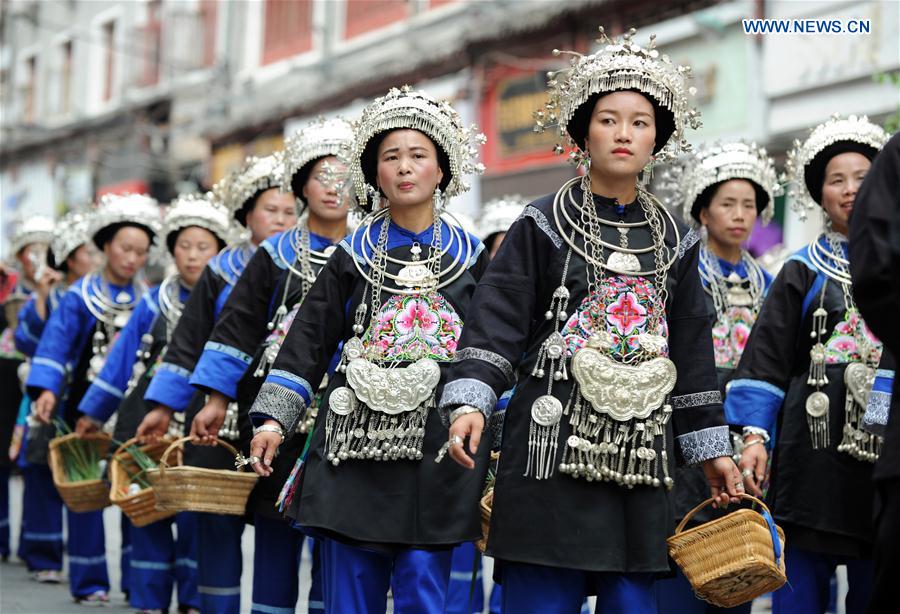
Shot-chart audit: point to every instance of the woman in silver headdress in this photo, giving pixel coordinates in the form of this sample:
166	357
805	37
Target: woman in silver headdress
395	293
71	257
73	349
722	188
594	301
807	369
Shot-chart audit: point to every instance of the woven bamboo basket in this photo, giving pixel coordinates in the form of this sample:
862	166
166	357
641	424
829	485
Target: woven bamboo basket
184	488
733	559
140	507
487	503
86	495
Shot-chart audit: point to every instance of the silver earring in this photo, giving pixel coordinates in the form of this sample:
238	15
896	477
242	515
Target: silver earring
437	201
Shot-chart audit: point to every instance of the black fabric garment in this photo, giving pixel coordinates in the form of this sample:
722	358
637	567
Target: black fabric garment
875	268
9	409
822	498
243	325
384	504
562	521
185	347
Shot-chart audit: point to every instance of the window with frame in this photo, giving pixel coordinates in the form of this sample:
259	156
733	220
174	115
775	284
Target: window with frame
287	29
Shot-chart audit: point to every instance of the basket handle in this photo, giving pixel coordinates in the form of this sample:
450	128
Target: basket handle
766	514
179	443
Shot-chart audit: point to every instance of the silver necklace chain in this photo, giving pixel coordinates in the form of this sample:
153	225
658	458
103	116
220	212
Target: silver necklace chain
717	285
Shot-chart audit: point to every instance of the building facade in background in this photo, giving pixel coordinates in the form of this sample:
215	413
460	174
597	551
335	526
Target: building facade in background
169	95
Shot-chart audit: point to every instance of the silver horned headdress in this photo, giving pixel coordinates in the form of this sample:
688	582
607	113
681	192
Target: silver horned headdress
417	110
256	175
201	210
34	229
620	64
854	129
115	209
71	233
716	162
317	139
498	214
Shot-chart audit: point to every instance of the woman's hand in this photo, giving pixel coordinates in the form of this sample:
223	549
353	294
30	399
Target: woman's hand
753	463
725	482
208	421
87	426
155	424
471	426
263	448
44	405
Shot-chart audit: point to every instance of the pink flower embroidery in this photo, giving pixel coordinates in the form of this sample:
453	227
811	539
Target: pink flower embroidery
626	313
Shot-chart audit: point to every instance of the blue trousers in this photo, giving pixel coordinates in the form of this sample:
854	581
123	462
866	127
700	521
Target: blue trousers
461	598
4	511
41	539
276	563
158	561
356	580
220	562
808	579
552	590
675	596
87	553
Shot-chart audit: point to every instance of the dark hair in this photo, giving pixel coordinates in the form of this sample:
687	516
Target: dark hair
301	176
172	237
105	235
814	173
369	158
704	200
581	119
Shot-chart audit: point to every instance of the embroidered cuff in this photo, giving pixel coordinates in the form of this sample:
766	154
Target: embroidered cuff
279	403
101	400
467	391
292	381
755	430
220	371
492	358
702	445
687	242
697	399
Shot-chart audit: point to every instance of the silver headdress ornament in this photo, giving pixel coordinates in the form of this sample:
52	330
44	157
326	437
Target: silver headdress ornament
714	163
71	233
35	229
124	208
201	210
417	110
255	175
620	64
317	139
854	129
498	214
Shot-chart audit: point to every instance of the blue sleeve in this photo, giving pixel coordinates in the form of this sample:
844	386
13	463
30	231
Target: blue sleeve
170	386
64	336
220	368
752	402
108	389
29	329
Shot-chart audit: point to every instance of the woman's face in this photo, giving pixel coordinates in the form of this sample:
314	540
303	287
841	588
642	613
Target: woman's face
844	173
408	168
194	246
126	253
731	213
274	211
81	261
622	134
322	199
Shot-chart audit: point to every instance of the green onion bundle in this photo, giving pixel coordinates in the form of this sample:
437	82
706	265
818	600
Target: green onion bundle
81	459
143	462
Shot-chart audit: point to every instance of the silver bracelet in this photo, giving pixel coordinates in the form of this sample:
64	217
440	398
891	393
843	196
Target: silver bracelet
269	428
462	410
755	430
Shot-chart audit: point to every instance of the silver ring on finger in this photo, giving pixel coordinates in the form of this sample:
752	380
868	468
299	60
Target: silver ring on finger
254	460
456	440
747	473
